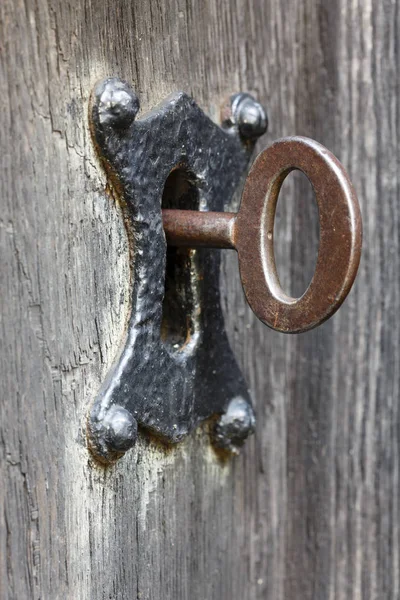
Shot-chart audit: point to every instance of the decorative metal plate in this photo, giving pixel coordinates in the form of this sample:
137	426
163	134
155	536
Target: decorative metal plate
176	368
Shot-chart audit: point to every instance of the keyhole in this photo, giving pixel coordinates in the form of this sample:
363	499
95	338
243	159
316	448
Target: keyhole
296	234
180	192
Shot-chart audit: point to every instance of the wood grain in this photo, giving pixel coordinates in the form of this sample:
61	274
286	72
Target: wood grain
310	509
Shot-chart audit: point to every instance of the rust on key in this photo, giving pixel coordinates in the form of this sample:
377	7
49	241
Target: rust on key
192	228
251	233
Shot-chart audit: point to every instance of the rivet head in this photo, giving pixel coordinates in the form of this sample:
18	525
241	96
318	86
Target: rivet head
235	425
117	104
120	429
249	116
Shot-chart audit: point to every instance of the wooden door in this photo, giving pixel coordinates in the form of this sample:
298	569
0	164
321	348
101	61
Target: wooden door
310	509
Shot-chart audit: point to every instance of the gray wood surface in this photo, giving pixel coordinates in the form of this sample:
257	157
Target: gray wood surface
310	510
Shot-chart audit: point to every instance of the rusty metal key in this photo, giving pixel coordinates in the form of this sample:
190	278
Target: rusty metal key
250	233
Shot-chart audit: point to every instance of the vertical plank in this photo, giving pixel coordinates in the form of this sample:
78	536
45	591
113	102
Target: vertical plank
310	509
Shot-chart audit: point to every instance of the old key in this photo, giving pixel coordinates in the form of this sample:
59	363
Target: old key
250	233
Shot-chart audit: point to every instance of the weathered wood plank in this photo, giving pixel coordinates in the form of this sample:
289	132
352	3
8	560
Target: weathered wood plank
311	508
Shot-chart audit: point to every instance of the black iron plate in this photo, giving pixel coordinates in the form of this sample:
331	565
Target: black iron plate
165	379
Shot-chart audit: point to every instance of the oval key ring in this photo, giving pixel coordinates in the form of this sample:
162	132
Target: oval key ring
340	235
